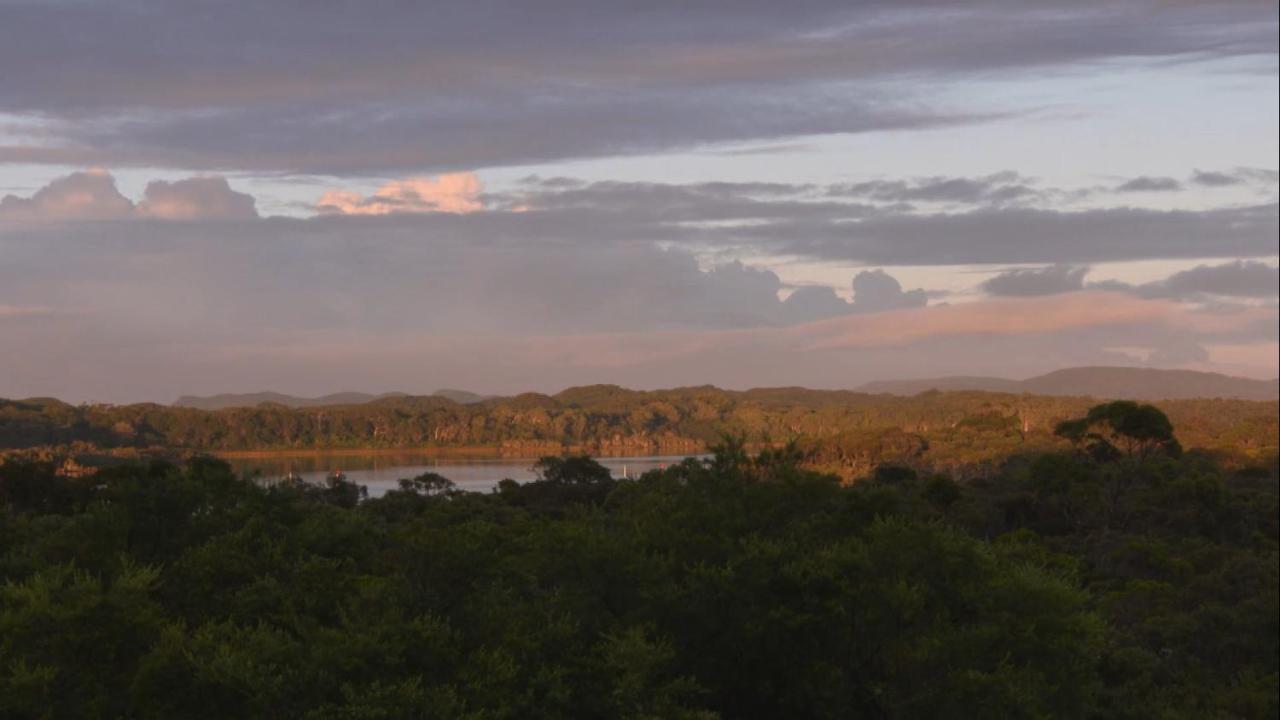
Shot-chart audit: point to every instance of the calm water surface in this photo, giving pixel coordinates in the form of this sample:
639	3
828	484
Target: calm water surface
383	472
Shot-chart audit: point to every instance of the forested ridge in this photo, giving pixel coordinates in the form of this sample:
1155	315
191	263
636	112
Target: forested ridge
1118	577
854	430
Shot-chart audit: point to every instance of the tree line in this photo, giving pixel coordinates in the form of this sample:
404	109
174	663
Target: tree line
855	431
1117	576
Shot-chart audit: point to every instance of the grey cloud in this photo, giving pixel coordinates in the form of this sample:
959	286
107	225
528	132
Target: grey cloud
1215	179
1178	352
1239	279
1025	235
998	188
1238	176
196	198
873	291
1149	184
801	220
876	291
92	195
463	133
877	229
814	303
493	297
88	195
1029	282
356	88
387	275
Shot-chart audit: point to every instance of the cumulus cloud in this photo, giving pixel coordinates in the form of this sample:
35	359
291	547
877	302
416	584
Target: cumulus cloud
873	291
578	281
450	193
85	195
459	275
91	195
1029	282
194	199
755	218
877	291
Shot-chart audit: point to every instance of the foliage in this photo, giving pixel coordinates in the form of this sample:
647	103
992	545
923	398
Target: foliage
740	586
966	434
1139	429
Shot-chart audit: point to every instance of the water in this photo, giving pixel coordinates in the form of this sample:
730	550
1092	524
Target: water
383	472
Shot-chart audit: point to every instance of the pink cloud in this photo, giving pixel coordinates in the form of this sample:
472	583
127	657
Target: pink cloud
85	195
1021	316
92	195
450	193
196	198
19	311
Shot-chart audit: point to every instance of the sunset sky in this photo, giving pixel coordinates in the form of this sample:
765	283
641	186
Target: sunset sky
306	197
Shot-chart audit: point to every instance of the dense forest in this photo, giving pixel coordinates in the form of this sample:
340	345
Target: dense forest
1116	576
847	433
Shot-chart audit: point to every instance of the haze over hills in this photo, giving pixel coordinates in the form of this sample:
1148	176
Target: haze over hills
230	400
1109	382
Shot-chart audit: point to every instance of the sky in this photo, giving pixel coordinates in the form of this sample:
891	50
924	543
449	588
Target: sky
206	197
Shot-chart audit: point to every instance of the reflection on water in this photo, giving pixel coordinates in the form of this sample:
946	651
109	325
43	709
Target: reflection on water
380	473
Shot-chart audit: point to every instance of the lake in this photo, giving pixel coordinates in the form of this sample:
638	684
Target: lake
382	472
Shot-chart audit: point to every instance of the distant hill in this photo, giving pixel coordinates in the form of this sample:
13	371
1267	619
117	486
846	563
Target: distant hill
230	400
460	396
956	382
1102	382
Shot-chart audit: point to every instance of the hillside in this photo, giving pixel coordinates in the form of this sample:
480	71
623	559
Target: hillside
1101	382
947	429
243	400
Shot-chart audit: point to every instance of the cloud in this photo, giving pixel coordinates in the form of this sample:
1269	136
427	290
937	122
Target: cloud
503	83
1238	279
873	291
91	195
877	291
1238	176
740	219
875	228
1023	235
997	189
24	311
451	193
993	317
1030	282
80	196
580	283
196	198
446	273
1149	184
1010	338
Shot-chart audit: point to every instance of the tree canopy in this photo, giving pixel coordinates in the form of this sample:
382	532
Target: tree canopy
740	586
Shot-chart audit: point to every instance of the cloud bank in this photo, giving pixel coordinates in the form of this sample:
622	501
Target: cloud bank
92	195
560	282
320	88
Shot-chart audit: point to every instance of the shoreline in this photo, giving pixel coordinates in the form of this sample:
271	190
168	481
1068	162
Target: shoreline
478	452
